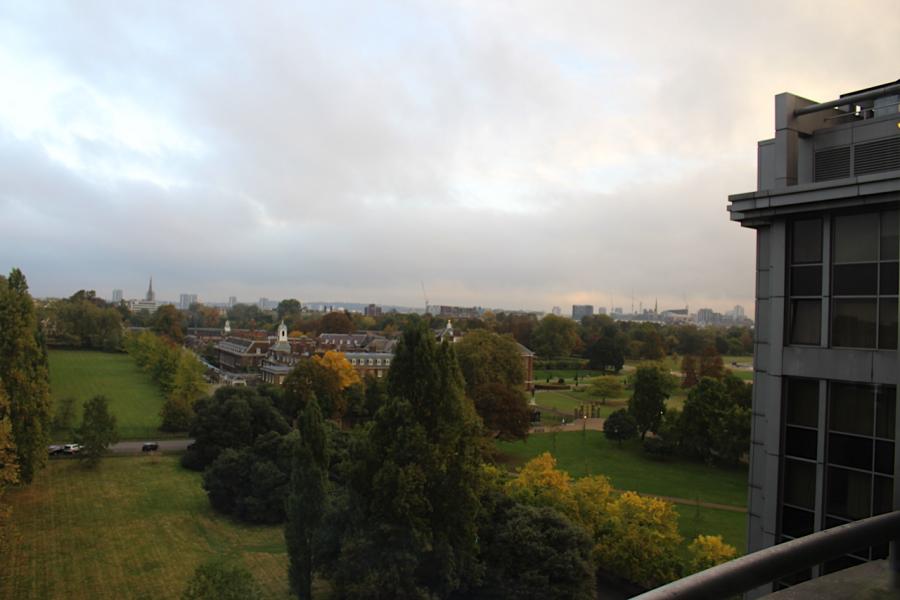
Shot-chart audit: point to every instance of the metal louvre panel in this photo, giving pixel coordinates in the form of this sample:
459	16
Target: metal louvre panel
877	156
832	163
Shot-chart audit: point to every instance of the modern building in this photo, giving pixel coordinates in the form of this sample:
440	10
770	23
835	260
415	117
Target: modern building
580	311
372	310
185	301
825	213
117	296
556	311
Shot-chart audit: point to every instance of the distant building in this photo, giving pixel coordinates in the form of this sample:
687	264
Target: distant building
186	300
117	296
601	310
232	300
374	364
149	302
459	312
556	311
372	310
580	311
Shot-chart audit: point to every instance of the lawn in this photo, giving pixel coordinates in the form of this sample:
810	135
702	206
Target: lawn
541	376
566	401
694	520
136	527
590	453
134	399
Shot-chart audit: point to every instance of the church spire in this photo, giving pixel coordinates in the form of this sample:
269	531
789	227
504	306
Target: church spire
150	295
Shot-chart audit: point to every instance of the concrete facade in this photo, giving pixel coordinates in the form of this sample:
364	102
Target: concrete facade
826	317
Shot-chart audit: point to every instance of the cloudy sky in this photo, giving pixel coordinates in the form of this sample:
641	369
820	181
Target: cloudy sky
507	154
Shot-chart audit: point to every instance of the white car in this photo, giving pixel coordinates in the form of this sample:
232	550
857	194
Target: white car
71	448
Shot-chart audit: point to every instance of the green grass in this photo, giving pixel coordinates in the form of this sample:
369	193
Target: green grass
136	527
590	453
694	521
540	376
134	399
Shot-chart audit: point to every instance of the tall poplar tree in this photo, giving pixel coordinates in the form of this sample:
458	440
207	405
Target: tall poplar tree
414	487
24	374
306	501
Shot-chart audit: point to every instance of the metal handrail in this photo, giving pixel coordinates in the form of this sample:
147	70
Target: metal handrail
893	88
762	567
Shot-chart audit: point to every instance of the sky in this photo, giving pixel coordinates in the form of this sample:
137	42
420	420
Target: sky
516	155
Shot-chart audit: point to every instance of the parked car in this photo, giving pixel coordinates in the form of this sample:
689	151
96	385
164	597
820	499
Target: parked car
71	448
55	450
150	447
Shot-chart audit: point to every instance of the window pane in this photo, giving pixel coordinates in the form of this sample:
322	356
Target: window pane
796	522
853	323
856	280
806	281
856	238
800	483
839	564
884	457
806	322
889	240
884	495
888	279
887	323
802	402
849	494
850	451
806	241
851	407
885	402
800	442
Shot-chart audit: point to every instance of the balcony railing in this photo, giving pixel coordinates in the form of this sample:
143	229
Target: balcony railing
759	568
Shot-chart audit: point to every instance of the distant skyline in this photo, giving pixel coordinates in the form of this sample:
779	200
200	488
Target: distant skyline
522	155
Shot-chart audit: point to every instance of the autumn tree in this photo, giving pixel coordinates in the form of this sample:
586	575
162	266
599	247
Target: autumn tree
707	551
188	386
504	410
9	467
310	378
98	430
605	387
336	322
306	500
711	364
647	405
168	322
24	375
337	362
689	377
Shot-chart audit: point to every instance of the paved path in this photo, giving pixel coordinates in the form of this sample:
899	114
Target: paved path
689	502
132	447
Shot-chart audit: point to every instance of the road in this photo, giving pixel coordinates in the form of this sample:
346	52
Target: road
164	446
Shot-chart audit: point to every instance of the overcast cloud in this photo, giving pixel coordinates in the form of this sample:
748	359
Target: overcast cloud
518	155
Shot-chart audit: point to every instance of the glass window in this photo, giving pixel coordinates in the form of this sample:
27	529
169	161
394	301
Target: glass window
890	243
856	238
806	241
850	451
800	483
884	495
806	322
849	493
856	280
806	281
851	408
802	402
800	442
887	323
888	279
853	323
885	402
884	457
796	522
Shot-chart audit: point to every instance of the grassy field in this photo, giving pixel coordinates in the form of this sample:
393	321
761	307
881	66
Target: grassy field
134	399
590	453
136	527
694	521
541	376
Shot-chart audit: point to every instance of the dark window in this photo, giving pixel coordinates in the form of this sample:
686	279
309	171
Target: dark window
884	495
885	403
851	408
796	522
856	238
856	280
890	243
806	322
839	564
800	442
887	323
800	483
850	451
888	284
806	281
853	323
802	402
806	241
849	493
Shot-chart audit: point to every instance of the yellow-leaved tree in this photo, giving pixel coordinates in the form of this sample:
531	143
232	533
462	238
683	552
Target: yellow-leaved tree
337	362
540	483
9	467
708	551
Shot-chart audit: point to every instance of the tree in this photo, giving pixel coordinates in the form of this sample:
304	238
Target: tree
504	410
23	373
9	467
336	322
64	416
187	387
648	401
485	357
337	362
619	426
288	308
230	418
707	551
218	581
306	501
414	489
554	336
711	364
689	371
712	426
607	352
167	322
97	431
311	378
606	387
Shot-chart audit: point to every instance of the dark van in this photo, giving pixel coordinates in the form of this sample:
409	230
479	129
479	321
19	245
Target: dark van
150	447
